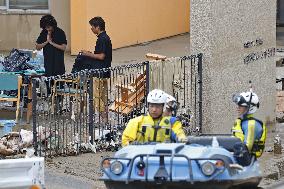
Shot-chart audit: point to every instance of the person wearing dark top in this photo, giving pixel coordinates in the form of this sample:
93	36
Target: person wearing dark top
102	59
103	50
53	41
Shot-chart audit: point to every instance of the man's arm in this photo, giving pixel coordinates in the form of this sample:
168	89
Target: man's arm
130	132
60	47
41	45
100	56
250	134
178	132
237	130
41	41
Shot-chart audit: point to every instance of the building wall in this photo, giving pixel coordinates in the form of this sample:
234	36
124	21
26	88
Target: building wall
22	30
128	22
219	29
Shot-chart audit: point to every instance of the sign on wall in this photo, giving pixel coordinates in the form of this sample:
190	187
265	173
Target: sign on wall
257	55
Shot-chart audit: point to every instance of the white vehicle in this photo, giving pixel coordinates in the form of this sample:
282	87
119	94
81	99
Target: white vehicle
27	173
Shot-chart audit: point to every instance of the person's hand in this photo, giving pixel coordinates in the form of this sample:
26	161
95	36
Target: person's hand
49	39
182	140
85	53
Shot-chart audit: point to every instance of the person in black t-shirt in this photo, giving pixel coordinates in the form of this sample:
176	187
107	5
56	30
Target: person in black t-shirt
103	51
53	41
102	59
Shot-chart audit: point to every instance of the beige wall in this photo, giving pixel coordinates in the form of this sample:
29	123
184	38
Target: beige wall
22	30
60	9
128	22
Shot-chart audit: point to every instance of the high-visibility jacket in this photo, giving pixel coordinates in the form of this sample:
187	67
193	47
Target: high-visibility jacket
252	132
145	129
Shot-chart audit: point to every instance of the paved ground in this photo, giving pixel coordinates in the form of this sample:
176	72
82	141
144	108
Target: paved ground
75	172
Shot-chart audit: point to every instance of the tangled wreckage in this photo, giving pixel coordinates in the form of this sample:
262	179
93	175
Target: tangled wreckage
201	162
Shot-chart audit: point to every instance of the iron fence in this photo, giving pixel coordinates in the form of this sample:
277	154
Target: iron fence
88	110
182	78
72	111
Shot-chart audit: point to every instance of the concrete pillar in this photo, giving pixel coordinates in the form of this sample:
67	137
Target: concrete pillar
238	39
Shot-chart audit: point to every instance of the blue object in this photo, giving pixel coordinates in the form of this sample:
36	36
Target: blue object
1	67
206	162
8	81
6	126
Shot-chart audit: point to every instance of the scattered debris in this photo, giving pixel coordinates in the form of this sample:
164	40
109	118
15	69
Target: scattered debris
10	144
280	106
16	143
269	149
277	145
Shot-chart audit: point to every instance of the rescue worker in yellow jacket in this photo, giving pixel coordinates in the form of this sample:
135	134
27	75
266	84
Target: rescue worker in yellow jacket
153	127
250	130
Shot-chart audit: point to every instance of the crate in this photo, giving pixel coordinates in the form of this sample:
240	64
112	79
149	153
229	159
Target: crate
6	126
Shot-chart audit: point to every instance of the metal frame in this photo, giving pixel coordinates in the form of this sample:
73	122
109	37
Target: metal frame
198	89
5	6
56	120
25	10
189	160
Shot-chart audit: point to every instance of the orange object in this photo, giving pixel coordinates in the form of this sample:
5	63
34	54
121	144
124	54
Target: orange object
155	56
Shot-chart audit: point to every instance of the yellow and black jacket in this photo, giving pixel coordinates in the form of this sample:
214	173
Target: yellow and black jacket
145	129
252	132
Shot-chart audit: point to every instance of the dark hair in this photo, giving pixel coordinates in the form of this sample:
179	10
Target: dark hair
98	21
48	20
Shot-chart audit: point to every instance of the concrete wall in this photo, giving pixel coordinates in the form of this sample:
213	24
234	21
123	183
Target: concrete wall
219	29
128	22
22	30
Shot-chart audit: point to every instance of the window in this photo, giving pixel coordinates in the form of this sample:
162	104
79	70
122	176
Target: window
28	4
25	5
3	3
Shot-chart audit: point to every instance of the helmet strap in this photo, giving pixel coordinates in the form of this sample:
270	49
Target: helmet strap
249	103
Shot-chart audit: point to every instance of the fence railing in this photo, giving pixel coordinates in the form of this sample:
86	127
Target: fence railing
88	111
72	111
182	78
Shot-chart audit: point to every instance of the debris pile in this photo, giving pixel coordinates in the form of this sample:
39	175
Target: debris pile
15	143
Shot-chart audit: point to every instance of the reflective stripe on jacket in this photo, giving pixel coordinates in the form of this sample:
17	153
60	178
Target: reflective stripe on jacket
145	129
252	132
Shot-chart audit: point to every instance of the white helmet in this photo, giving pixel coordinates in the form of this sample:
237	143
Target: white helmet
157	96
248	99
171	102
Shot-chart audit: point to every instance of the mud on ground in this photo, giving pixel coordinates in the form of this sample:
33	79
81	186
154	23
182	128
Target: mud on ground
84	167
